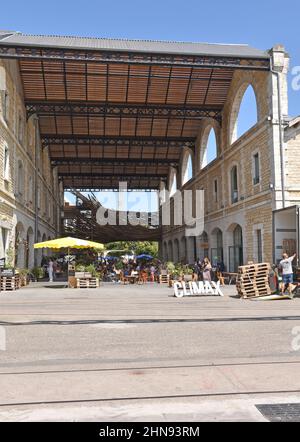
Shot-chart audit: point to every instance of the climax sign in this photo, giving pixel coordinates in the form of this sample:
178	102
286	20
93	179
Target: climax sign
182	289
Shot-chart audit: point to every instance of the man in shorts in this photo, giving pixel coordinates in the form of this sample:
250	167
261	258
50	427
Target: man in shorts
287	273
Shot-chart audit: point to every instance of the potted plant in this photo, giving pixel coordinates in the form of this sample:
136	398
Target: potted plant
188	273
38	273
23	275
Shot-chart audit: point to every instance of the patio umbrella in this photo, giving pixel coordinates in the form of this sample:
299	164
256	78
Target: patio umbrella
68	243
146	257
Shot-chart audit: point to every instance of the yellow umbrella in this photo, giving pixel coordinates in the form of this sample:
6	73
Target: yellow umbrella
68	243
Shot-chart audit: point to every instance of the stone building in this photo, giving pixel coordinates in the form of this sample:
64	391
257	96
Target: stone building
29	193
103	111
252	174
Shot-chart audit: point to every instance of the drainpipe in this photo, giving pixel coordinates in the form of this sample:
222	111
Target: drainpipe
281	140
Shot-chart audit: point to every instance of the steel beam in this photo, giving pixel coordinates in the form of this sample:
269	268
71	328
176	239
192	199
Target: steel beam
115	161
145	58
124	110
48	139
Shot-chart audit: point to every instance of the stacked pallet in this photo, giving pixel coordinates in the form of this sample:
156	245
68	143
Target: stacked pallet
10	283
253	281
87	283
164	278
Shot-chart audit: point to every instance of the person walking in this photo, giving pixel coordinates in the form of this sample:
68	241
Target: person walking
287	273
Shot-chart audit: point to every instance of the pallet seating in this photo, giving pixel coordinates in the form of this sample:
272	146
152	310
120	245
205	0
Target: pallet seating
10	283
253	281
164	277
84	280
87	283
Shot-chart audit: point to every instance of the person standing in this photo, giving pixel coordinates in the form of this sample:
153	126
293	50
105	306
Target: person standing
206	270
50	270
287	273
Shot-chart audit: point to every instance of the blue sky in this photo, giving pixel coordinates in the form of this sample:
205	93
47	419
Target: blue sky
258	23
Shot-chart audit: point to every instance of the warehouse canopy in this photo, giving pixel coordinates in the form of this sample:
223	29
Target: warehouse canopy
121	110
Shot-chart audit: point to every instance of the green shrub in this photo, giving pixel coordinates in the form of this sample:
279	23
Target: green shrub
38	273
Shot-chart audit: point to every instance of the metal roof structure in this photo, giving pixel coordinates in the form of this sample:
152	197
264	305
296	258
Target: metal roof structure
114	110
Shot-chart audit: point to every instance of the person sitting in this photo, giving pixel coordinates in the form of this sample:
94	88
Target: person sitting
220	272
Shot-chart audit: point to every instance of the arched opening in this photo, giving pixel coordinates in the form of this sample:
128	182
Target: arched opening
244	113
187	168
19	246
176	251
29	256
209	147
236	258
217	254
191	249
173	183
165	251
170	251
183	251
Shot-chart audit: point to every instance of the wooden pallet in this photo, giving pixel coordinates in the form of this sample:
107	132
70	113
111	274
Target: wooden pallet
87	283
164	279
253	281
10	283
255	268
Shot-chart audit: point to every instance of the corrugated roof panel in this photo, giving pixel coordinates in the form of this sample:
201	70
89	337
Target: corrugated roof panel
131	45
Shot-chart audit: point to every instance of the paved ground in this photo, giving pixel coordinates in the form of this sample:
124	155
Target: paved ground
123	353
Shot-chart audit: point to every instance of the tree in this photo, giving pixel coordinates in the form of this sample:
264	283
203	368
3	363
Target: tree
137	247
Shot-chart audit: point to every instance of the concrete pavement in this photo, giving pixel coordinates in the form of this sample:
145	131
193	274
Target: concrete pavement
137	353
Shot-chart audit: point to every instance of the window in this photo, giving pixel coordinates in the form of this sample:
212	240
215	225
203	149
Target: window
216	196
30	190
5	105
234	185
259	246
4	240
20	129
20	179
6	167
256	173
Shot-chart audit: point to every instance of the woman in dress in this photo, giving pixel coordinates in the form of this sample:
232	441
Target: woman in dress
206	270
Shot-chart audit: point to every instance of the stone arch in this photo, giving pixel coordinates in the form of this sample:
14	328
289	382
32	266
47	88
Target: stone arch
245	87
208	151
187	166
